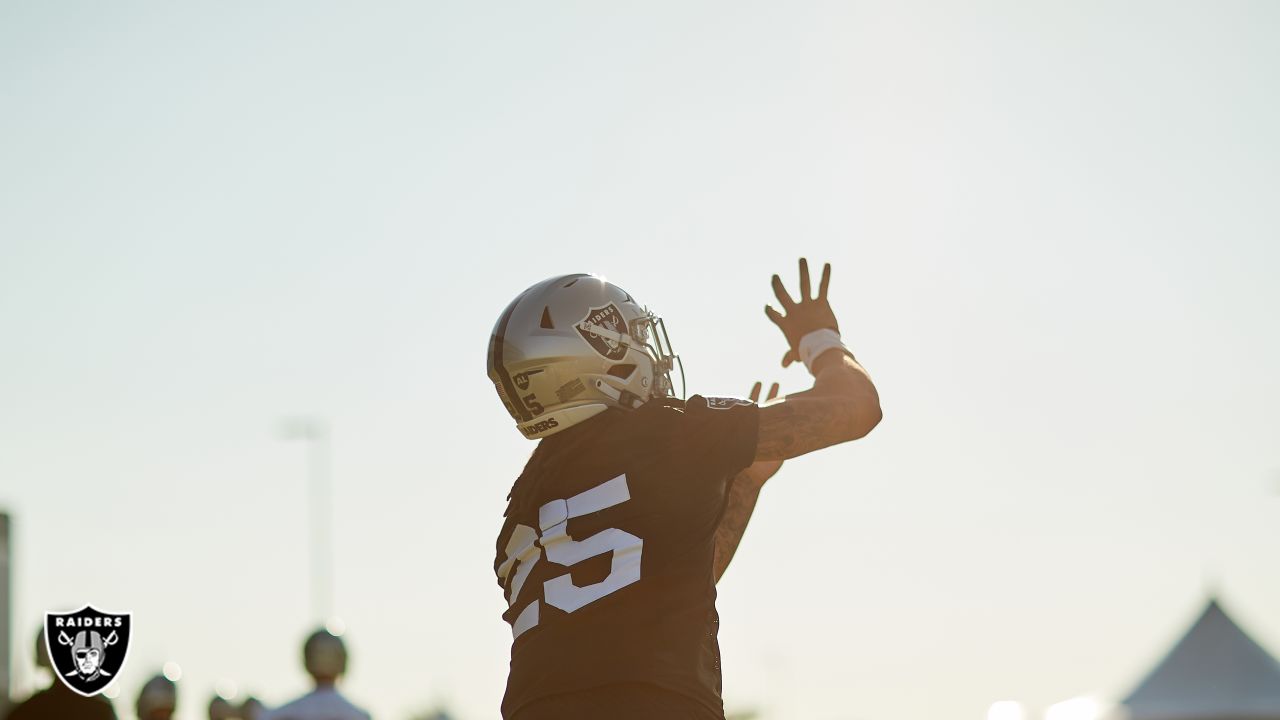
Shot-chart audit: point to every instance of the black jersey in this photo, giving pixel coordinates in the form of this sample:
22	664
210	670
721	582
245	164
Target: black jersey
607	550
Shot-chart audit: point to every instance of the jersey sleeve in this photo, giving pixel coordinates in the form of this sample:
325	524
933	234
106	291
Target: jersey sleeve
719	434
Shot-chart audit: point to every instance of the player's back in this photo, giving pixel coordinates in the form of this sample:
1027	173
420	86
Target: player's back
606	559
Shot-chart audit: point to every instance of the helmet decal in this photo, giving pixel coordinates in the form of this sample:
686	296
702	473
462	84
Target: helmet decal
603	328
522	379
570	390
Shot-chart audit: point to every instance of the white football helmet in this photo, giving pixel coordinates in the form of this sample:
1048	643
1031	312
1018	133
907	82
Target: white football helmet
572	346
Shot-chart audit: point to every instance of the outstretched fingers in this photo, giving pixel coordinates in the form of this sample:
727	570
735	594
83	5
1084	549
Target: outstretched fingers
773	315
755	393
804	280
826	280
781	292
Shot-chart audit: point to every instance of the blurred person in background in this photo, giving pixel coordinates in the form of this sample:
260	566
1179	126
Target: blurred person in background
157	699
251	709
58	702
221	709
324	656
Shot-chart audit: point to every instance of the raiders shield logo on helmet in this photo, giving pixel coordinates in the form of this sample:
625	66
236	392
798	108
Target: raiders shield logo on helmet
605	318
87	647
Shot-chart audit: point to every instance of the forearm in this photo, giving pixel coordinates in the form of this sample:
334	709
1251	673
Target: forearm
743	493
843	405
839	374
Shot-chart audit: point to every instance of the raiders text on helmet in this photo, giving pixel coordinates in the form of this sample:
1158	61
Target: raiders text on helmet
572	346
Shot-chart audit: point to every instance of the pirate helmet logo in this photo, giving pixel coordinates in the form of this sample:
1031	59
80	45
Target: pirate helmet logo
603	329
87	647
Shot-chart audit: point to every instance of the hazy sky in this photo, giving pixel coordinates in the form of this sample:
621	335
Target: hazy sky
1054	228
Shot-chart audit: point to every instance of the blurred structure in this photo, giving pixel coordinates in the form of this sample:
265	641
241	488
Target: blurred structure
1085	707
1215	672
58	702
315	433
324	656
157	699
5	588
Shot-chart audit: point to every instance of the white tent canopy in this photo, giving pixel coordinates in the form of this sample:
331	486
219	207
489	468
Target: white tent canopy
1215	672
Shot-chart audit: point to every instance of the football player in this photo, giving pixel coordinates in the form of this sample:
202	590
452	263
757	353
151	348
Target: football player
632	504
158	699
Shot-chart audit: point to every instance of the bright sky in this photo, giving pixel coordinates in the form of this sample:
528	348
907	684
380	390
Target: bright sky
1054	235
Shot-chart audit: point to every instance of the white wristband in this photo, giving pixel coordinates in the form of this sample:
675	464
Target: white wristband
817	342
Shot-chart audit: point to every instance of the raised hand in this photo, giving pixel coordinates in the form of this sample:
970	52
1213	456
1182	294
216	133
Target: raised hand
805	316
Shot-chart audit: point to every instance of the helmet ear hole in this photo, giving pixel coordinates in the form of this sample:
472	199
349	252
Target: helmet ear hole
622	372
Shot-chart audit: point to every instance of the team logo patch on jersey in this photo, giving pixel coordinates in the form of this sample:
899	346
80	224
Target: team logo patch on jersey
724	403
607	318
87	647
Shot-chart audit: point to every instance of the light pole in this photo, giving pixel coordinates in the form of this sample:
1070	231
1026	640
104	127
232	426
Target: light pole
4	613
315	432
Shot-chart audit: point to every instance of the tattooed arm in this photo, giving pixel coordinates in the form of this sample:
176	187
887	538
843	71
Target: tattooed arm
843	404
743	492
